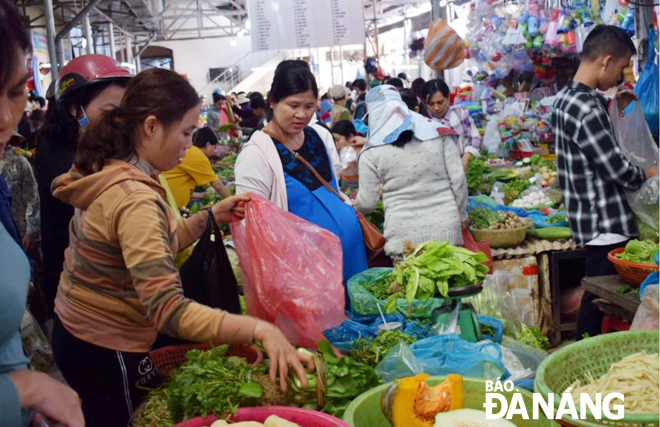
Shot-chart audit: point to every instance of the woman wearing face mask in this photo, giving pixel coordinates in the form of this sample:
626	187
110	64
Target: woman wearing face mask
22	391
85	87
195	170
119	287
268	167
435	99
416	162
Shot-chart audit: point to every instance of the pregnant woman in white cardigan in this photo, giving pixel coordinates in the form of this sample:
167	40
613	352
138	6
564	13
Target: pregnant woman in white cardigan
418	165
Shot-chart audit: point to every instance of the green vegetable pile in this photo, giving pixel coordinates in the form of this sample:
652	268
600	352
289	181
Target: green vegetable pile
640	252
210	382
533	338
434	267
372	352
346	379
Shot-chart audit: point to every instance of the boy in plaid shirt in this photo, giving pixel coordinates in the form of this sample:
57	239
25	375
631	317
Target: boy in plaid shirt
593	174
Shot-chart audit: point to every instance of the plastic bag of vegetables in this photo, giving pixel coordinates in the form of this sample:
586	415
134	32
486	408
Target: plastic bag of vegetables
367	289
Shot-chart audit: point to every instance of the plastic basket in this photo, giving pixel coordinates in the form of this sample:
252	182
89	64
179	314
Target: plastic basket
596	355
500	238
365	410
300	416
168	358
630	272
520	154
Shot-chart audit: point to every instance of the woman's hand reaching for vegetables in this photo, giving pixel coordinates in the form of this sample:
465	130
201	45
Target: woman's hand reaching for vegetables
282	355
224	210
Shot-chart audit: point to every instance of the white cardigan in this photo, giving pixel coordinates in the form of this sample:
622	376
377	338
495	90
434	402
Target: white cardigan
259	168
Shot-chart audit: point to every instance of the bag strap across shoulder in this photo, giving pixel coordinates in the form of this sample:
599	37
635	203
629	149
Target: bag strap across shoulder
306	163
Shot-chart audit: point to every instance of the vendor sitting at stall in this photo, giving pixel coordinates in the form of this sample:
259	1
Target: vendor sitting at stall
435	99
119	287
416	161
195	169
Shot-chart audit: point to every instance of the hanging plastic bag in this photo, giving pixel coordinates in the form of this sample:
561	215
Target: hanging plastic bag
292	271
365	304
496	301
647	313
648	89
645	204
443	355
633	134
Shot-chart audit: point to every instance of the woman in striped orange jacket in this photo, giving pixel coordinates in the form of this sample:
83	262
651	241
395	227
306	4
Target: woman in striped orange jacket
119	287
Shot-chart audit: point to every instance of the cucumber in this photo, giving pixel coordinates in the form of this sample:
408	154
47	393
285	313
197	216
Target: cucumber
519	164
551	233
527	161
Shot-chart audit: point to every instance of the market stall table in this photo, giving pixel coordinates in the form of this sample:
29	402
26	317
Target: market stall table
607	287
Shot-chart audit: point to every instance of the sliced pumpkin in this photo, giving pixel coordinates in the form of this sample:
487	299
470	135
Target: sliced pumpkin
410	402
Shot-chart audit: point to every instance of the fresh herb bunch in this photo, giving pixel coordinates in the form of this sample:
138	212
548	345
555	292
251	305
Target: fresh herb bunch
211	383
381	289
533	338
485	219
513	189
372	352
475	176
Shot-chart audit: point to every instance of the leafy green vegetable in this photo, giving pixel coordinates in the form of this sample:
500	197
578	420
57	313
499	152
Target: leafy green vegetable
586	335
533	337
441	264
210	383
372	352
474	175
622	289
487	330
346	379
640	252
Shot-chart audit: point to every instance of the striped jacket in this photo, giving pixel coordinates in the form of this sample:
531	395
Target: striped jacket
119	286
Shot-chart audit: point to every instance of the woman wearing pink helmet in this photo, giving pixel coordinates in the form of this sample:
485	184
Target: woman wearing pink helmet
85	87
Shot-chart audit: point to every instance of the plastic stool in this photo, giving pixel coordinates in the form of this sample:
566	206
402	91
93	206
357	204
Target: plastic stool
613	323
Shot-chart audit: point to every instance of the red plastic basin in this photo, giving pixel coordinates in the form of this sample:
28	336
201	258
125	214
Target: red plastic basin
300	416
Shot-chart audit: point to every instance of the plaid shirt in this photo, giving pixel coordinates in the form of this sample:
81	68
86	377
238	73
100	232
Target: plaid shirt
593	174
469	138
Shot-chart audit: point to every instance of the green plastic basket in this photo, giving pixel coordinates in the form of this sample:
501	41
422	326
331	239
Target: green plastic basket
365	410
596	355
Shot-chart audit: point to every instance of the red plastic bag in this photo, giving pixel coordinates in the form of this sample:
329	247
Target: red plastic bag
470	244
292	271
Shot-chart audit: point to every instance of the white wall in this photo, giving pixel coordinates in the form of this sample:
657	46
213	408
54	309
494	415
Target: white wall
194	58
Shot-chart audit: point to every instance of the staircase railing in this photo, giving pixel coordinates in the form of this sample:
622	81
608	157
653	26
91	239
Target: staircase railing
235	74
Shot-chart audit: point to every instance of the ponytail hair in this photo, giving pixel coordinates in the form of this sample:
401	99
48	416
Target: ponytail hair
113	135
